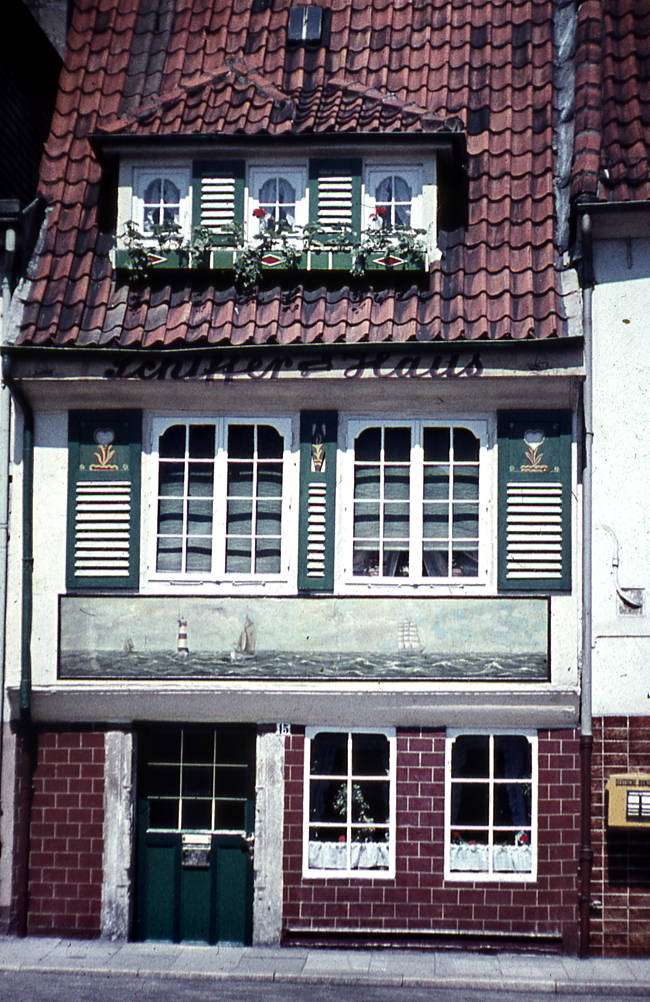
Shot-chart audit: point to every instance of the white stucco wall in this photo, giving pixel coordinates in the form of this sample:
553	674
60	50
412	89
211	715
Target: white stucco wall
621	486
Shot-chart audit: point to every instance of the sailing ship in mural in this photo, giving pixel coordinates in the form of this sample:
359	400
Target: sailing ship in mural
293	638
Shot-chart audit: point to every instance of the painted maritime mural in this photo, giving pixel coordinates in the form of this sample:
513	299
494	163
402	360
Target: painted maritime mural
490	639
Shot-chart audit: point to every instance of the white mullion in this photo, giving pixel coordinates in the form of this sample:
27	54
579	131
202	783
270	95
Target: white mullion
214	781
382	501
220	498
180	781
349	799
253	569
450	502
416	502
186	491
491	807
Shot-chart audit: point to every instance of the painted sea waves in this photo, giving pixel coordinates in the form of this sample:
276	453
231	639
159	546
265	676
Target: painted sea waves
277	638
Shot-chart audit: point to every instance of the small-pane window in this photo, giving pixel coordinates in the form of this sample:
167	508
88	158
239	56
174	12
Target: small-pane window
491	805
160	199
277	199
162	204
393	196
220	499
393	199
349	797
416	502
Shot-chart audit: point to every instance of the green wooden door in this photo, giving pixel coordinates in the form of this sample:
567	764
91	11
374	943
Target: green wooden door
195	813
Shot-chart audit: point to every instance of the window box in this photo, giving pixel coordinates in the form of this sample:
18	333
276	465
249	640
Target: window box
491	807
349	803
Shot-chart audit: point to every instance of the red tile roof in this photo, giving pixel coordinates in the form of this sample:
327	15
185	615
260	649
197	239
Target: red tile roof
612	133
143	68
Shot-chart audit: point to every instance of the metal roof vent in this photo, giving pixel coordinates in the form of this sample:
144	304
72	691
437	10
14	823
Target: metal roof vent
305	24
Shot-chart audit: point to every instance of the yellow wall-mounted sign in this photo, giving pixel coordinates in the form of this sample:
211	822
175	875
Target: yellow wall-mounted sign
629	801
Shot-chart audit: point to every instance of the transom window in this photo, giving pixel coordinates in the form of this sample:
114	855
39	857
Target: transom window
416	501
491	806
221	498
349	802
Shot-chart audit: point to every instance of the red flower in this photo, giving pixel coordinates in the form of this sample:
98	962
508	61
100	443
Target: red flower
259	212
381	211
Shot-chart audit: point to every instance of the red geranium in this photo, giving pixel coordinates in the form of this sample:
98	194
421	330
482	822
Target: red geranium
259	212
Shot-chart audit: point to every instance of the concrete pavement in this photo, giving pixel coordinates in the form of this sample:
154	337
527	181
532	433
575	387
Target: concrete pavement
417	968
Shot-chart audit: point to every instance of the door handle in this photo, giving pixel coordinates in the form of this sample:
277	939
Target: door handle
250	844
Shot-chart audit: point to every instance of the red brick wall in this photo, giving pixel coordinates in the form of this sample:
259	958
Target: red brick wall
65	862
418	899
621	868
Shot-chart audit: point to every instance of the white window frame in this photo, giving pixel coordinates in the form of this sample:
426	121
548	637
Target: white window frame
352	428
490	875
363	874
217	573
143	176
375	173
257	174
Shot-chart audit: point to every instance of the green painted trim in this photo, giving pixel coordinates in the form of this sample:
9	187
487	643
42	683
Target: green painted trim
128	448
321	167
327	422
511	427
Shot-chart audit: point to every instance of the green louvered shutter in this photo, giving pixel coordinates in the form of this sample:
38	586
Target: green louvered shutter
104	499
534	500
218	196
335	194
317	500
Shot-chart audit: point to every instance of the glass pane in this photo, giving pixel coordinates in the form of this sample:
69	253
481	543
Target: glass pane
384	190
436	445
172	443
436	521
370	802
469	851
366	520
365	562
435	562
240	517
512	757
170	516
465	521
170	192
162	781
196	814
269	442
238	556
269	518
286	191
328	800
170	214
466	446
240	479
469	804
436	482
395	562
199	555
470	756
328	754
240	441
337	835
199	518
201	441
169	555
200	480
367	447
396	521
269	480
231	781
466	483
163	814
396	482
171	479
397	445
269	190
366	482
197	781
198	746
370	754
512	804
233	745
230	815
267	557
403	192
153	191
402	215
464	562
164	745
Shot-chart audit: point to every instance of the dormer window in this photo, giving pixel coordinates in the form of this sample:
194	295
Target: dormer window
329	211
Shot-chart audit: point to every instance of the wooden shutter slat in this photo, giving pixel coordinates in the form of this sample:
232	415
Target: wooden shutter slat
317	500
